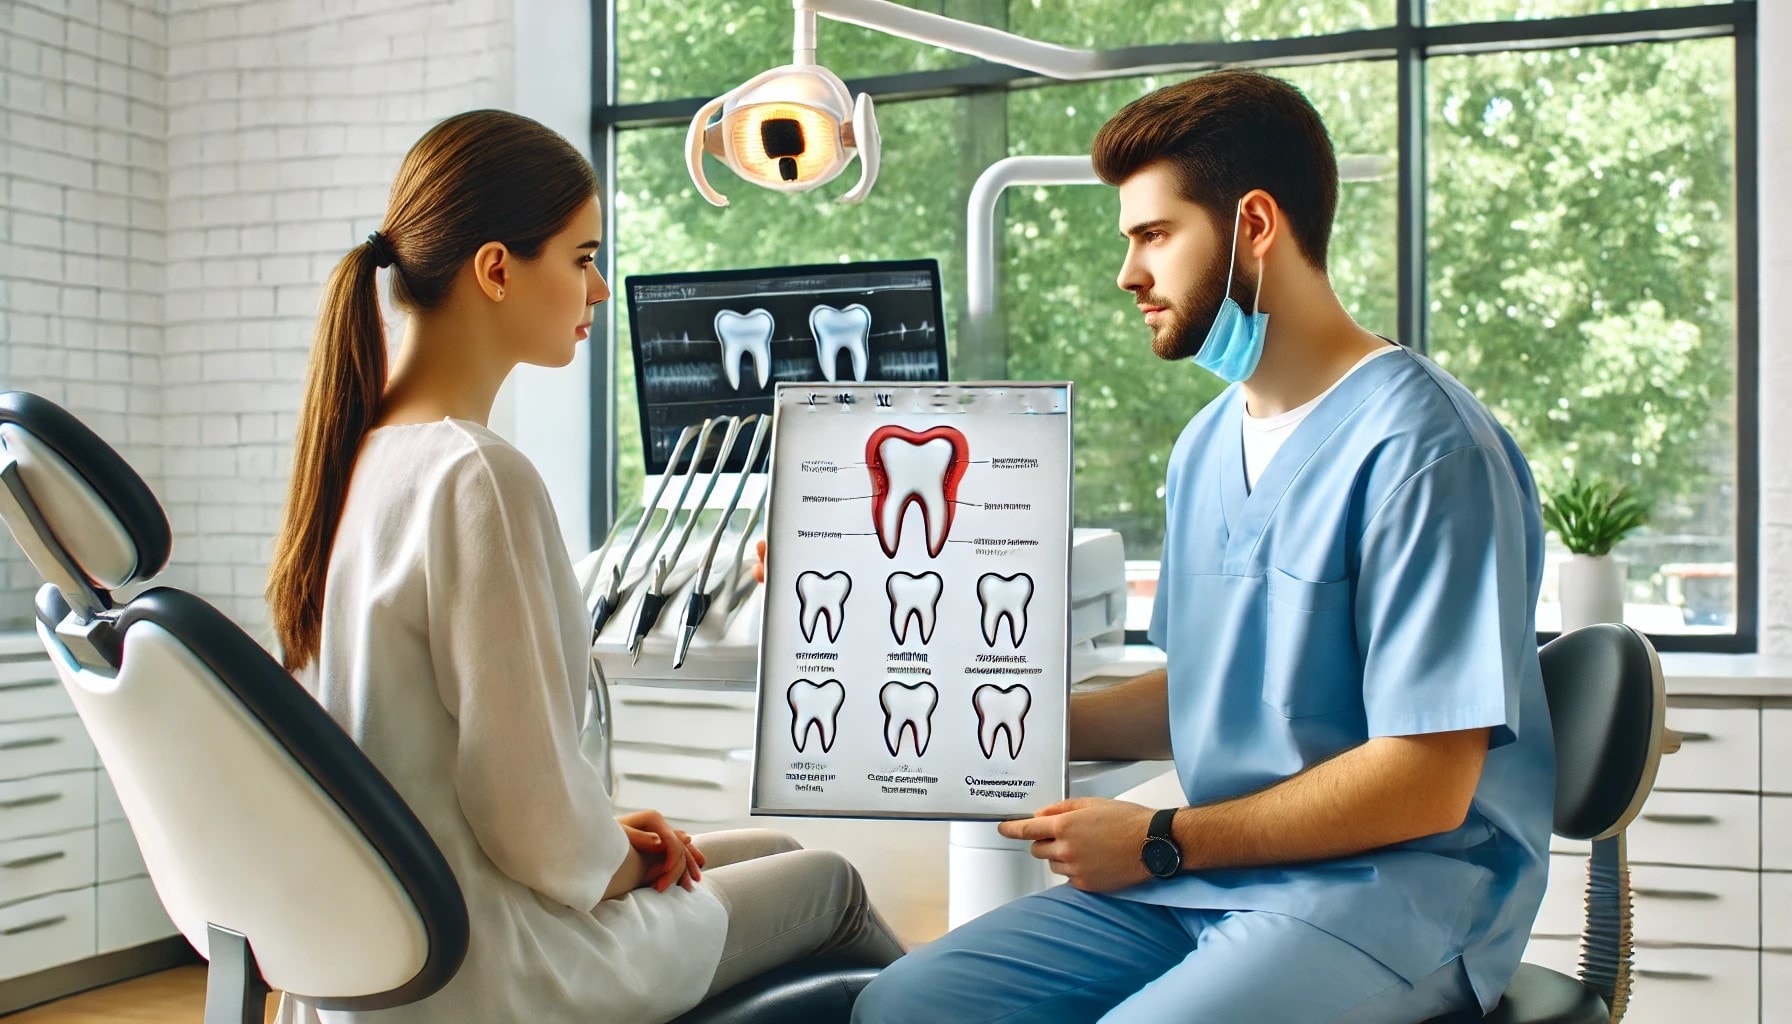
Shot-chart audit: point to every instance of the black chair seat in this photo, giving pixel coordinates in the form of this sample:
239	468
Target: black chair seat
1538	995
819	991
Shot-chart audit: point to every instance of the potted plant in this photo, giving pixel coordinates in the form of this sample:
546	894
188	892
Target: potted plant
1591	516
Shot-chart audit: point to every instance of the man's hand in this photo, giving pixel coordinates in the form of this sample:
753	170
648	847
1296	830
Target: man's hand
1092	842
759	561
667	852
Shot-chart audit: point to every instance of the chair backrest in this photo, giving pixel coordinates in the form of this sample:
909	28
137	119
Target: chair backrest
1607	705
255	812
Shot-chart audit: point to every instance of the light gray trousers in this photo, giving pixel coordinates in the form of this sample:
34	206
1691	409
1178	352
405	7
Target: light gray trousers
786	903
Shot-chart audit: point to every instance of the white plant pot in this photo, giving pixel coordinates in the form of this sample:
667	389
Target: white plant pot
1592	590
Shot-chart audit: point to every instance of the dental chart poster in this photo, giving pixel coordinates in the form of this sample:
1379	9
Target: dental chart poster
914	661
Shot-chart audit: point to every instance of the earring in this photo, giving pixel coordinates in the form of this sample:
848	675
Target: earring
500	293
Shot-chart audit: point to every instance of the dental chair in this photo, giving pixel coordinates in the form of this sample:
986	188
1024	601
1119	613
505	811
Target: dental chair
1607	705
279	850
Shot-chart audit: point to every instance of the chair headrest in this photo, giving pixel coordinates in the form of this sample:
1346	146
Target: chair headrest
1607	705
74	505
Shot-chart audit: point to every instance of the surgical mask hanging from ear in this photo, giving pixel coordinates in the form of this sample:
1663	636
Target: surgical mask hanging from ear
1234	343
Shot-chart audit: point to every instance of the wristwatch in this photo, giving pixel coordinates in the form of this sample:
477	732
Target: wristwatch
1161	855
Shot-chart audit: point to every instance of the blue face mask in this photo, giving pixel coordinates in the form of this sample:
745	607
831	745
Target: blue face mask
1234	343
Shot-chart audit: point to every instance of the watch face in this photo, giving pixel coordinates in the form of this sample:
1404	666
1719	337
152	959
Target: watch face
1161	857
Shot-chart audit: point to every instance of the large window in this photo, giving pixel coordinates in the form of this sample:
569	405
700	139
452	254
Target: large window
1543	195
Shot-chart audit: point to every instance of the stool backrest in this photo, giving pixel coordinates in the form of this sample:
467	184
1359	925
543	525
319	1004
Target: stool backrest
1607	705
254	811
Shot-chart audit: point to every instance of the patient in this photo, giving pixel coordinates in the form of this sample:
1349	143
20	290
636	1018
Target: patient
421	590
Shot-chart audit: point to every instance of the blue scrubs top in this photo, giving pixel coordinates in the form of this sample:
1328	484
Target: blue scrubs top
1381	580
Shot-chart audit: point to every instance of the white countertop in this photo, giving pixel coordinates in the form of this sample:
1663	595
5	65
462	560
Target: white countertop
1688	675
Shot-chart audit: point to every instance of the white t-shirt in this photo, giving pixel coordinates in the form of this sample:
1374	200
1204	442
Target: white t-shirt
455	652
1263	436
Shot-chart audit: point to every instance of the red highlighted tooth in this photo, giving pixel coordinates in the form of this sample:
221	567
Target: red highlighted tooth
923	467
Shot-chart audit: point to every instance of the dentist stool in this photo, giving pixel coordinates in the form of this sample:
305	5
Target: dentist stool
278	849
1607	706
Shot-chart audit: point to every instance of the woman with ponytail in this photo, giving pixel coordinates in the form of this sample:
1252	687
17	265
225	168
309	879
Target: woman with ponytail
421	590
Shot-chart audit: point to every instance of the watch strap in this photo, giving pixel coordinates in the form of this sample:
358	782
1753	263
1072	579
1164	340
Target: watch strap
1161	823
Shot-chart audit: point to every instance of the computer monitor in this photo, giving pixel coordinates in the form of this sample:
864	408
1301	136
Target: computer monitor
715	343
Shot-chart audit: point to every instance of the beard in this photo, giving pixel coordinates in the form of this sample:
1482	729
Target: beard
1182	326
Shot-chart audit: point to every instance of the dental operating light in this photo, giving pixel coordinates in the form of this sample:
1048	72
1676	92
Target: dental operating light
796	127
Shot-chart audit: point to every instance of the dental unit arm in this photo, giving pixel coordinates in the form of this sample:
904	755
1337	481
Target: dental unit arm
660	576
697	607
611	597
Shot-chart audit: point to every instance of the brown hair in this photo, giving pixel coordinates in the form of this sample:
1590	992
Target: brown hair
483	176
1228	132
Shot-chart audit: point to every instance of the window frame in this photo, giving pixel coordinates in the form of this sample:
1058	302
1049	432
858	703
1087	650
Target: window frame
1409	42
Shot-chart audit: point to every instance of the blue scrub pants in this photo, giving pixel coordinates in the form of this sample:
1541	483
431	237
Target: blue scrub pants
1063	955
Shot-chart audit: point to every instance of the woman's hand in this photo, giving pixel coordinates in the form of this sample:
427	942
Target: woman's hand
668	854
759	561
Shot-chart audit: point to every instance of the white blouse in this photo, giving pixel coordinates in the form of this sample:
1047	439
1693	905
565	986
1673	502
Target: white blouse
455	651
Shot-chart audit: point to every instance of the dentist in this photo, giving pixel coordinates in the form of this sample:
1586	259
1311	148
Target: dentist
1353	698
421	590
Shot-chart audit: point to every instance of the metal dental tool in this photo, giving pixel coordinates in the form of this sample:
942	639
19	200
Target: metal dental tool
611	598
654	597
698	606
733	588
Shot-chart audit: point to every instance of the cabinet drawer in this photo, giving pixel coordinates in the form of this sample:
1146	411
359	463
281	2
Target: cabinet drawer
1776	750
45	864
1776	987
1559	955
46	804
106	805
1696	906
1721	750
693	766
30	689
119	857
706	719
130	914
1692	830
1776	912
1564	913
1776	832
39	934
1674	986
1692	906
44	746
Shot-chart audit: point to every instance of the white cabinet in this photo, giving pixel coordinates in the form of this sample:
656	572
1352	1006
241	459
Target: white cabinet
72	881
1720	750
41	933
1776	988
1711	876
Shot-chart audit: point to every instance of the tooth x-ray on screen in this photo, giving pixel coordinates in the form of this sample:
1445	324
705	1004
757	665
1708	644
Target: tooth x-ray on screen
718	342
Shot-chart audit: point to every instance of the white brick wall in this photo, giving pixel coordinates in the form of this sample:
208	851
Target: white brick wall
82	224
287	120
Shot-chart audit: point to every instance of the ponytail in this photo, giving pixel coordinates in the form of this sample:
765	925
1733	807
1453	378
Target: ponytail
477	177
345	382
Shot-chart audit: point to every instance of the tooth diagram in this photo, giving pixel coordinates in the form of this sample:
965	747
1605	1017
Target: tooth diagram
914	597
749	334
1002	708
923	467
908	709
837	329
817	706
1004	597
819	595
